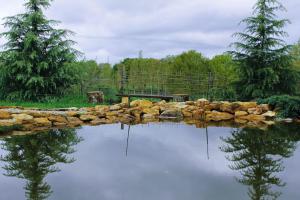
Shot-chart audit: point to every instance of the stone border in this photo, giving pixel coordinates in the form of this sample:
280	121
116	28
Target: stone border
139	111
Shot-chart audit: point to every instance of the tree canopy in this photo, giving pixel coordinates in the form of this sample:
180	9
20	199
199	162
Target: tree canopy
263	56
35	55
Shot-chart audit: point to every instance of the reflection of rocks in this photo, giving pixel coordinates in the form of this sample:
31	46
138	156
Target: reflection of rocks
141	110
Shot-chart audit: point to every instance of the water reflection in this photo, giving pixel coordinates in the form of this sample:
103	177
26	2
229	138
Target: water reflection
258	156
33	157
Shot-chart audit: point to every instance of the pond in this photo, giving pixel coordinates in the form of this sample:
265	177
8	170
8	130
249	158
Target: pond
162	161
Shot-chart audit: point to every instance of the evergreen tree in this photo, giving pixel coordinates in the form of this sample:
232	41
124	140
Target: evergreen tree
35	55
265	64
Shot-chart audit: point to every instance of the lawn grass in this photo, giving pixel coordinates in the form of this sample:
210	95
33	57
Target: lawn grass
66	102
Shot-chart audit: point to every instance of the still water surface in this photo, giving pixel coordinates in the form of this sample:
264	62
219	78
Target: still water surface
168	161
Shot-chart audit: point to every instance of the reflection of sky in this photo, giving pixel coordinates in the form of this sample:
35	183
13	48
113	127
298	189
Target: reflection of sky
165	162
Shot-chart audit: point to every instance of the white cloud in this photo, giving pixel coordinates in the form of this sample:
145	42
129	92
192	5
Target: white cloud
119	29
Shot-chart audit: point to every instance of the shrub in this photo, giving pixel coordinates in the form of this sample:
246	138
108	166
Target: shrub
288	106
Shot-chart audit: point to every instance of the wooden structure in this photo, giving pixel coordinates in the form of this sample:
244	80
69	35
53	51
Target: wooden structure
157	89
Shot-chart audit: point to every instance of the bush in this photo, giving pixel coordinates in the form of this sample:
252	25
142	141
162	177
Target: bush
288	106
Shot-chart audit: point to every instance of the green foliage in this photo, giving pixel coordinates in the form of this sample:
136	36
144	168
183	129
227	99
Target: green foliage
93	77
224	71
264	60
187	73
295	53
288	106
35	56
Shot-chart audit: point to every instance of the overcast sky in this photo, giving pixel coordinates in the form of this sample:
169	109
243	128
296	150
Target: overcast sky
117	29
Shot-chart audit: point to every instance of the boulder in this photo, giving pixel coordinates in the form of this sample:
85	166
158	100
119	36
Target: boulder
244	106
5	115
149	116
218	116
102	109
198	114
44	122
191	108
72	114
115	107
201	102
141	103
58	119
23	118
264	107
251	110
8	122
86	118
173	113
240	113
187	113
126	119
190	103
270	114
240	121
151	111
227	107
98	121
74	121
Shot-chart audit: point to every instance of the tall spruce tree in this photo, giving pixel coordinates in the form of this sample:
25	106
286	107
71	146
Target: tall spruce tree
265	65
35	55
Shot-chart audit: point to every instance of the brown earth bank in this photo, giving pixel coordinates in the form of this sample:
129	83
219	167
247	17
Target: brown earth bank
198	112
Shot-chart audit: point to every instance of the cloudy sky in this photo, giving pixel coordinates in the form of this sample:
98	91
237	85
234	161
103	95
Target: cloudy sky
116	29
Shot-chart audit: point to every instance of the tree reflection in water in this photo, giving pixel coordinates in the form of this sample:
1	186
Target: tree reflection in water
258	155
33	157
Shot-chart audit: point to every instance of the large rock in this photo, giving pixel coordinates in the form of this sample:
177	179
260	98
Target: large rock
173	113
228	107
244	106
115	107
74	121
240	113
270	114
72	114
187	113
44	122
8	122
141	103
58	119
198	114
87	117
98	121
151	111
264	107
4	114
218	116
23	118
202	102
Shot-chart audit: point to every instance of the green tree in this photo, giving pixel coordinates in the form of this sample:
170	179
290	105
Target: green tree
258	155
33	157
265	64
35	55
224	71
295	53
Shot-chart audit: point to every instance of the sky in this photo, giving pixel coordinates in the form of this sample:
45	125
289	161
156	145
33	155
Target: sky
112	30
